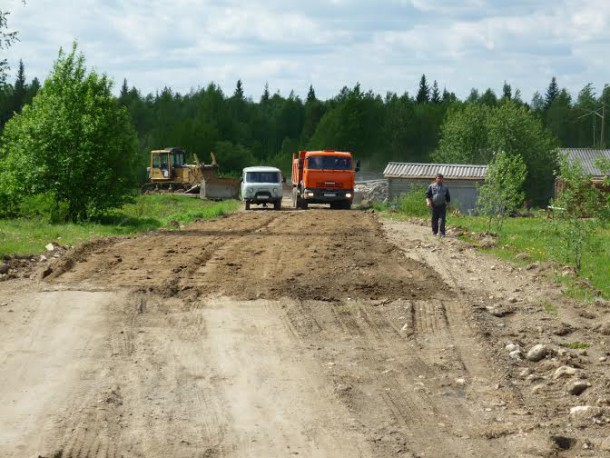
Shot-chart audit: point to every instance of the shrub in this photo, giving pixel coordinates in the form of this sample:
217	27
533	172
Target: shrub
413	203
502	192
45	207
74	141
580	216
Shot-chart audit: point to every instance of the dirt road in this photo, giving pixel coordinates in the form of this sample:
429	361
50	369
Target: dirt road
312	333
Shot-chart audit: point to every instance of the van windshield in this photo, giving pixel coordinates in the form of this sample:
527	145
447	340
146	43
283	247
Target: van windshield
262	177
330	163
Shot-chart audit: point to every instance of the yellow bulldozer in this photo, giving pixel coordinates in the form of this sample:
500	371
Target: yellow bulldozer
169	171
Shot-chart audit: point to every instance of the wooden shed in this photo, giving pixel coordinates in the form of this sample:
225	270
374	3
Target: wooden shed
463	180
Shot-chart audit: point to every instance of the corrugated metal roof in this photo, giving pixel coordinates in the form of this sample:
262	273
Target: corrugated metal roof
586	157
450	171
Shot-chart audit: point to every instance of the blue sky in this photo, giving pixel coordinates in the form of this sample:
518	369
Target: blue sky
384	45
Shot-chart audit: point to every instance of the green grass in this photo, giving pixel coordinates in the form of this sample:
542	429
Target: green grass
538	238
147	213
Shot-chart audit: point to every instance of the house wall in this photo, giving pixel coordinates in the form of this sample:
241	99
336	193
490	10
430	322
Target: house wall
463	193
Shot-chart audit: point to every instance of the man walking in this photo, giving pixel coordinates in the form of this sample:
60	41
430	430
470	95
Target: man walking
437	198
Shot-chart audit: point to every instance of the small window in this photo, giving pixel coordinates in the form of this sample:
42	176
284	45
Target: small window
164	161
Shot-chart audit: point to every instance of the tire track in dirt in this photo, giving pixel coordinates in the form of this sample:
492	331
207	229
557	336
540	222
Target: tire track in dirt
155	396
412	401
265	330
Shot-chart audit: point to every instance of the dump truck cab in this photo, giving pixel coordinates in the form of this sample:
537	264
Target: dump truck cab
325	176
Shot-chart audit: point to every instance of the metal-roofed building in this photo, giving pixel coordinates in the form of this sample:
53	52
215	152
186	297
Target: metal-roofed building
463	180
587	157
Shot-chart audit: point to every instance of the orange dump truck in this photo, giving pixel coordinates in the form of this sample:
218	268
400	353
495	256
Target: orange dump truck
323	177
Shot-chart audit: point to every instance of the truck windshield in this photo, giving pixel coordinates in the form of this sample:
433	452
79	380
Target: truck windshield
330	163
262	177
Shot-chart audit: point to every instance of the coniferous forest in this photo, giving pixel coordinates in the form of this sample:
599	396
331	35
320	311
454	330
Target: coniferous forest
432	125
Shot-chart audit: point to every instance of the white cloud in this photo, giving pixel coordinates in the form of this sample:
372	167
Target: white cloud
291	44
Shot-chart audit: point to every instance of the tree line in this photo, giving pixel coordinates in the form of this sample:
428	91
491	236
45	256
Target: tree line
430	126
398	127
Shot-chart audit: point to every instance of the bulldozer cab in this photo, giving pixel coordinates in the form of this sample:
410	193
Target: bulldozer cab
163	163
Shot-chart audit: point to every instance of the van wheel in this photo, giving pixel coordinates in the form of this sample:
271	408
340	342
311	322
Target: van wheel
247	205
277	205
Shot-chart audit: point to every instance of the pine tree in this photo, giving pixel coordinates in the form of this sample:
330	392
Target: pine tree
124	89
551	93
265	96
448	97
474	96
436	95
537	102
507	91
19	92
489	98
423	95
239	91
311	95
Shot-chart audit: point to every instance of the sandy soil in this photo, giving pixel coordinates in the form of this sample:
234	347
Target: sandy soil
311	333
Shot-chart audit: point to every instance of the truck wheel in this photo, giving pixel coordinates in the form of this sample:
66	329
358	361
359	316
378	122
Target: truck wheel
247	205
304	204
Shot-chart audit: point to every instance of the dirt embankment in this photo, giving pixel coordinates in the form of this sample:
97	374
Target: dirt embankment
298	333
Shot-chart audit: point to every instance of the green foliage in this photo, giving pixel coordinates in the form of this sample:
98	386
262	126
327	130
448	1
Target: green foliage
472	135
148	212
377	129
413	203
233	158
502	191
603	165
44	207
6	40
74	142
464	138
560	118
551	93
354	124
582	211
423	94
538	238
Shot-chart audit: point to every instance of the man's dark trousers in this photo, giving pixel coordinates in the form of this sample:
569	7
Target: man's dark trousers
439	214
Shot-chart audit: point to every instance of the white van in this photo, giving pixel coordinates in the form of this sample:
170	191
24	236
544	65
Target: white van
262	185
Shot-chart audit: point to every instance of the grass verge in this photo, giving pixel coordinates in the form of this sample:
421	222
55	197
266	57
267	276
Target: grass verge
147	213
538	238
